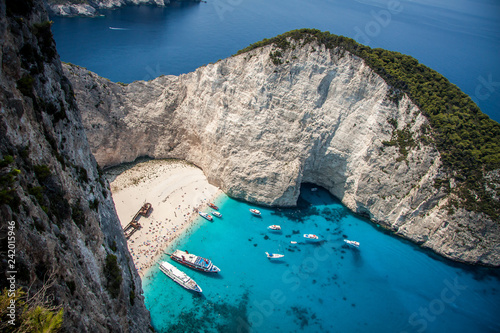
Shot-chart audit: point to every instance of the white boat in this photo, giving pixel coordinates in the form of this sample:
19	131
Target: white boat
255	212
205	215
274	227
274	255
311	237
293	242
194	261
178	276
352	243
217	214
314	189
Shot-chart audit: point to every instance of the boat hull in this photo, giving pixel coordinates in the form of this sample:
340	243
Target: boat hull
180	277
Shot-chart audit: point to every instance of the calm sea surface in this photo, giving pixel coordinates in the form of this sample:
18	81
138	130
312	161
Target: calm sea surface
387	285
459	38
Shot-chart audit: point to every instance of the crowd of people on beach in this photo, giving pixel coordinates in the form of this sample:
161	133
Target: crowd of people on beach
146	253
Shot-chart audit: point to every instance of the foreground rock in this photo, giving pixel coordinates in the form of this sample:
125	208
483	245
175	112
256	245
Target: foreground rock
258	130
68	237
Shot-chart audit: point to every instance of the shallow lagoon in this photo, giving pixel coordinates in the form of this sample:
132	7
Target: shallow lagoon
387	285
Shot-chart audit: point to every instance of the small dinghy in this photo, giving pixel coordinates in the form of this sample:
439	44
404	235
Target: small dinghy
274	227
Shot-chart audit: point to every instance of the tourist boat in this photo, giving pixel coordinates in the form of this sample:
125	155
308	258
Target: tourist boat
194	261
180	277
217	214
255	212
352	243
293	242
311	237
211	205
274	255
274	227
205	215
314	189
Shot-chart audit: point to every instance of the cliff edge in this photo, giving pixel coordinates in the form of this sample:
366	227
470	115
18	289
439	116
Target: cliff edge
68	239
291	111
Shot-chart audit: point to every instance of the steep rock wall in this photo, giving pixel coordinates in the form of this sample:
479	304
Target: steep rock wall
258	130
66	223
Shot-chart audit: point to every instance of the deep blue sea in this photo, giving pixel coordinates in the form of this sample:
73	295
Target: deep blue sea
387	285
459	38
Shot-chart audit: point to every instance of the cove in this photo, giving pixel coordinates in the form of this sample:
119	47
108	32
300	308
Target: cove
387	285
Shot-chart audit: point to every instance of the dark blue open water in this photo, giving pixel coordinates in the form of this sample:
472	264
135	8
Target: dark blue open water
459	38
387	285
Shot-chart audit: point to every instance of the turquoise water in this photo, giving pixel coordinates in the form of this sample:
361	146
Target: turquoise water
387	285
459	38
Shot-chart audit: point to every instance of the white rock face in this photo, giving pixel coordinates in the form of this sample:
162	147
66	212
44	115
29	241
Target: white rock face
259	130
91	7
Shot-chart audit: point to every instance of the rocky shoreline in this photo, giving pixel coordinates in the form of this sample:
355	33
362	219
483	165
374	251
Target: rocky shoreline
91	8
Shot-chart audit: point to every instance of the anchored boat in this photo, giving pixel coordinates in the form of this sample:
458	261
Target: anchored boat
217	214
205	215
311	237
180	277
194	261
351	243
211	205
255	212
274	255
274	227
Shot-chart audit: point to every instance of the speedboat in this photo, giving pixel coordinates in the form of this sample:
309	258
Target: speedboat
217	214
211	205
274	255
255	211
274	227
205	215
351	243
311	237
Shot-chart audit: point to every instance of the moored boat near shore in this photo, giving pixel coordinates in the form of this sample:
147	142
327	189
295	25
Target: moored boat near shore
217	214
211	205
194	261
205	215
255	212
180	277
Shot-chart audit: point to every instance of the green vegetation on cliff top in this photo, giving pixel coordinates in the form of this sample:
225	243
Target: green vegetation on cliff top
467	139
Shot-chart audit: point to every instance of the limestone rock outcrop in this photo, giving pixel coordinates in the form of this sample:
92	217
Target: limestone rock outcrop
92	7
68	239
259	129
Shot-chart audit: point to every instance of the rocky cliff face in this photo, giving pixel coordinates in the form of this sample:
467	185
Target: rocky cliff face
92	7
259	130
67	233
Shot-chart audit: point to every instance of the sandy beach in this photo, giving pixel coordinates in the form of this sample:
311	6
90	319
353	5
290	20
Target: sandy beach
174	188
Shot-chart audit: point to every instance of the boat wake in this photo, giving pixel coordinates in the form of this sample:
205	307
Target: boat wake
123	29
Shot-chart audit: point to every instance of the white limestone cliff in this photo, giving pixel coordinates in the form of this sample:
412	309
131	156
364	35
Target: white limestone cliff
258	130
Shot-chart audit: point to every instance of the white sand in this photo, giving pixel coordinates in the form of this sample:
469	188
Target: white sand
174	189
